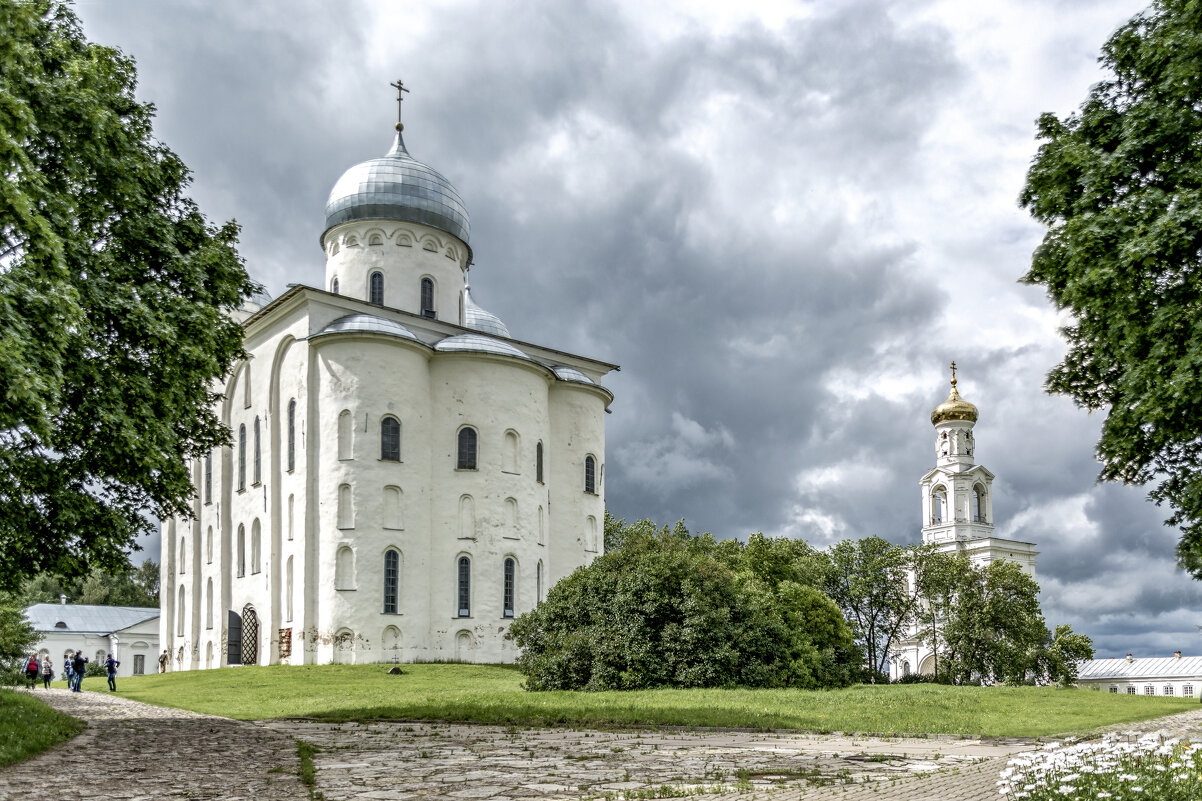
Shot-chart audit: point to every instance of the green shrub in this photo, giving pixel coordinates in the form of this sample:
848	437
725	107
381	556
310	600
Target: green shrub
667	609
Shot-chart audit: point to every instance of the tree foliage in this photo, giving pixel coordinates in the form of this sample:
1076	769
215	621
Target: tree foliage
128	586
1119	185
666	608
17	639
114	293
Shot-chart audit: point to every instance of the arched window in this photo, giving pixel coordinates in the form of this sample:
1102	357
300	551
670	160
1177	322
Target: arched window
465	587
511	452
241	550
978	504
538	582
467	518
256	540
209	546
507	592
542	537
291	514
590	475
183	541
590	543
467	449
258	454
344	569
390	439
334	286
392	508
375	289
288	590
346	427
939	505
242	456
291	435
538	462
209	604
346	509
179	629
428	298
905	668
392	572
511	518
209	477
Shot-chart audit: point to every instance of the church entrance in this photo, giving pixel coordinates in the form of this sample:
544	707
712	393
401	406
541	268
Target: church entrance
250	636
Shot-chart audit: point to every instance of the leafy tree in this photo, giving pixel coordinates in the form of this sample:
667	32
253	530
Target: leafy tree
114	305
666	608
939	578
1119	185
867	579
17	640
996	629
127	586
1065	650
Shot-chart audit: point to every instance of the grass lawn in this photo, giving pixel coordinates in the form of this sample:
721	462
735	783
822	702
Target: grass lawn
492	694
28	727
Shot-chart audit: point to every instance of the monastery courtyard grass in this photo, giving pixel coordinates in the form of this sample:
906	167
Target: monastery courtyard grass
494	695
28	727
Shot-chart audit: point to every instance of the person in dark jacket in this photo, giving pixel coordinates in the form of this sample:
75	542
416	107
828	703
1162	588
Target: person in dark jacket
78	666
110	667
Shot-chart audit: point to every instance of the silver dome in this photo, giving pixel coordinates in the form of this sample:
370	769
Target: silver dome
479	319
478	343
573	375
367	324
398	187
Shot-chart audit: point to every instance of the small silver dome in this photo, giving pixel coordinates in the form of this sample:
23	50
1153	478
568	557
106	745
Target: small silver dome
479	319
367	324
478	343
398	187
573	375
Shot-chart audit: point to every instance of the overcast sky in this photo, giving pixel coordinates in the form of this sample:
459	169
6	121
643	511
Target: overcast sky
782	220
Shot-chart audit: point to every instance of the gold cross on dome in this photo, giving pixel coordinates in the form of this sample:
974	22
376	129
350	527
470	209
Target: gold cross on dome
953	374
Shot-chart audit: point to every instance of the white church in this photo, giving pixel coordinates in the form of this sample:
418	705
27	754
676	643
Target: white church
405	477
957	510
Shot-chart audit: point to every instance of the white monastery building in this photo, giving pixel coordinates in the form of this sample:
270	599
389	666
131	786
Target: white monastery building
129	633
1173	675
405	477
957	510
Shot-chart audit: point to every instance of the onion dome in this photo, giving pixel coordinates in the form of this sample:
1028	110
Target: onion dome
367	324
398	187
955	407
479	319
478	343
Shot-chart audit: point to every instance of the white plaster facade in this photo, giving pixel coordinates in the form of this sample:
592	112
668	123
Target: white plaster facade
1175	675
957	509
347	467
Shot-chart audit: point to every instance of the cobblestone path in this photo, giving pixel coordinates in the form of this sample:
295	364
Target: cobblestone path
131	750
135	751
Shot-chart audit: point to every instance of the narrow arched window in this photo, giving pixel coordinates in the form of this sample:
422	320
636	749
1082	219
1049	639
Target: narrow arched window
241	550
288	590
392	571
428	298
466	459
334	286
392	508
242	456
978	504
538	582
346	509
510	567
344	569
538	463
179	627
209	546
256	545
590	474
346	432
510	456
291	514
209	477
375	293
939	505
465	587
183	542
258	453
390	439
292	435
209	604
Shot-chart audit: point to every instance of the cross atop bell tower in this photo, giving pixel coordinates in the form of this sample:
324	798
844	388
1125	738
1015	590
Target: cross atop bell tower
400	98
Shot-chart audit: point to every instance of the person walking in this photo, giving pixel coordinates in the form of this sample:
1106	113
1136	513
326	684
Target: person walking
78	665
110	667
69	669
163	662
32	668
47	671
